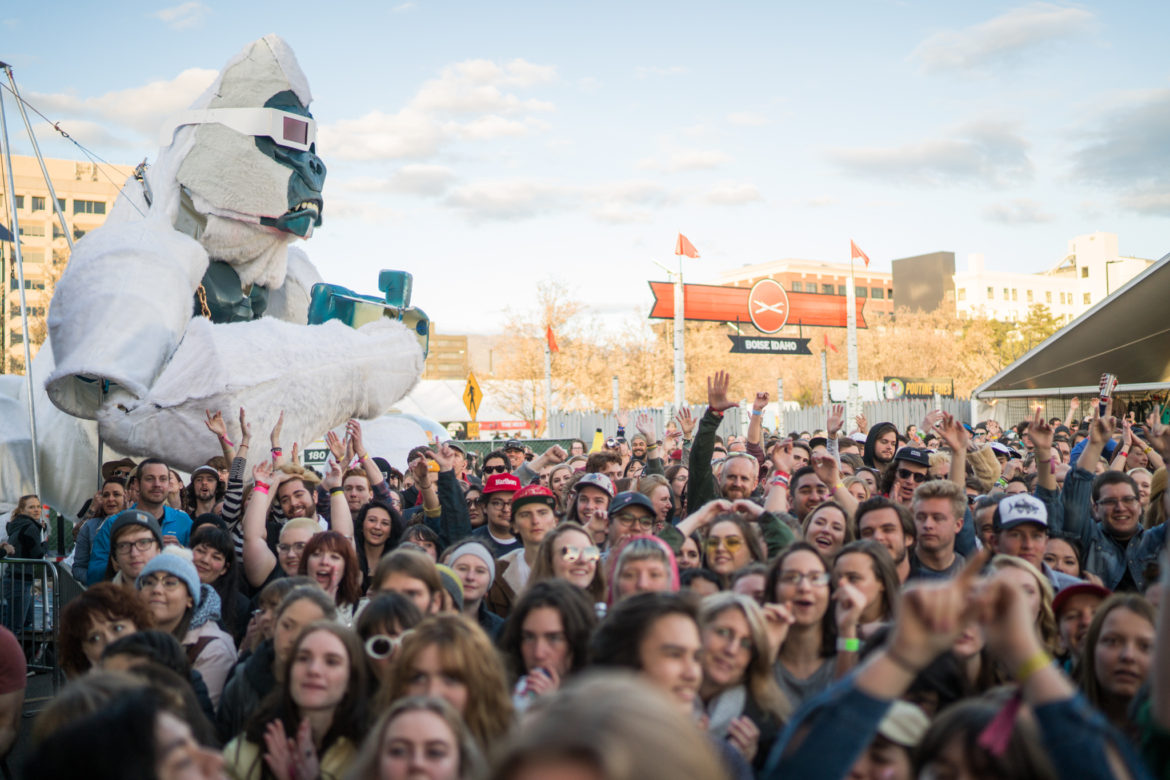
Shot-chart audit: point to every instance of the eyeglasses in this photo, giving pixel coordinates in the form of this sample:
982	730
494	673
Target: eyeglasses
472	502
495	469
629	520
381	646
571	554
498	504
141	545
168	583
817	579
283	127
732	543
1113	503
914	475
285	549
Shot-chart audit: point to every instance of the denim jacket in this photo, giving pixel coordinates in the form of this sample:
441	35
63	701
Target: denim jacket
1069	517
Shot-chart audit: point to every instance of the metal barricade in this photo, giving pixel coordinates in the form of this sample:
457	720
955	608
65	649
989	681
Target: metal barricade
30	608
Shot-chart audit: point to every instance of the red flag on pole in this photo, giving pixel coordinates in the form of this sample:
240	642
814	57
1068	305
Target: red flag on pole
552	339
685	247
829	345
858	253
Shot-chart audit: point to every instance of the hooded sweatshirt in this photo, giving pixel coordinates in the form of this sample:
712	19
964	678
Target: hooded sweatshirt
875	433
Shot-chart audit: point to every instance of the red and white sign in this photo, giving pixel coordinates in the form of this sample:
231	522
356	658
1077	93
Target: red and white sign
768	306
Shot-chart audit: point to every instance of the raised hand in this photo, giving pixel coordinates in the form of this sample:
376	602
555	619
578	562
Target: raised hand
932	615
1040	432
717	386
826	468
777	620
622	419
686	422
245	428
1007	621
760	402
336	447
673	441
274	437
305	764
952	432
645	426
333	477
746	507
444	456
279	749
836	420
932	419
782	457
262	472
850	604
215	424
862	423
353	431
1157	434
1101	429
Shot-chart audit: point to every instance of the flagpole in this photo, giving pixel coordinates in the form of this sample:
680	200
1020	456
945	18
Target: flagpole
680	365
825	378
547	388
853	402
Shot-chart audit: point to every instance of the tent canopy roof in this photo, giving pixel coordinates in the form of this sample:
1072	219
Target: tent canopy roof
1127	334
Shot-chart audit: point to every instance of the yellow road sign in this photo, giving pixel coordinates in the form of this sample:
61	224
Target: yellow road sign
472	396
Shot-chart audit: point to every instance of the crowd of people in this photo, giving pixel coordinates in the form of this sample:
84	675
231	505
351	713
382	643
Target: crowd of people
944	601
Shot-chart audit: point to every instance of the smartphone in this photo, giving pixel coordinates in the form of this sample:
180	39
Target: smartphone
1108	385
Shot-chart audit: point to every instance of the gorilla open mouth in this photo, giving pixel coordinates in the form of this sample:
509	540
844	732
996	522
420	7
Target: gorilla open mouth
298	220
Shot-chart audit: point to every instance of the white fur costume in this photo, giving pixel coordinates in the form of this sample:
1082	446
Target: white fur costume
122	311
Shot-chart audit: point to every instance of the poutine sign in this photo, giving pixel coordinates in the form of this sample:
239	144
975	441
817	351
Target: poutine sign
764	305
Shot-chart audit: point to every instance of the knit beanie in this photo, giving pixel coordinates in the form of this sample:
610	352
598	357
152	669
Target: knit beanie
479	551
177	561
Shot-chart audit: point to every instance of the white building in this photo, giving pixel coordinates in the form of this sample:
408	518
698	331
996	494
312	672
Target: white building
1085	276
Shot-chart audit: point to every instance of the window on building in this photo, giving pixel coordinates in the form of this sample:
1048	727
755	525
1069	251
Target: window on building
19	201
61	203
991	293
877	292
1030	296
38	203
861	292
1048	296
796	287
1015	294
841	289
57	231
1084	272
962	293
89	206
1088	298
17	338
826	289
32	230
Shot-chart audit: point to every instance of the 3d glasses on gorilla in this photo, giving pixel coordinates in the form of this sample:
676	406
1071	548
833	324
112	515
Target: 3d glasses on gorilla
285	128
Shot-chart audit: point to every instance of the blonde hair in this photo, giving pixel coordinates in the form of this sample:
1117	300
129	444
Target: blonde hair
758	677
943	488
1046	621
471	763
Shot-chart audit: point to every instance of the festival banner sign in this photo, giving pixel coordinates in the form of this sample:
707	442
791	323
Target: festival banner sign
766	305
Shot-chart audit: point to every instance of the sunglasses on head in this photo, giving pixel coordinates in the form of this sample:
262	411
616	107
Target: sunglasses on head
914	475
572	554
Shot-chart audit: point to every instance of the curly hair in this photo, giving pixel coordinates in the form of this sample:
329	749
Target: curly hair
104	600
465	654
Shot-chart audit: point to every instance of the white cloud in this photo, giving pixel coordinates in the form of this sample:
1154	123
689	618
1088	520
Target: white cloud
588	84
401	9
414	179
182	17
1127	151
142	109
989	153
820	201
732	194
686	160
516	199
1020	211
473	100
659	70
747	119
1001	38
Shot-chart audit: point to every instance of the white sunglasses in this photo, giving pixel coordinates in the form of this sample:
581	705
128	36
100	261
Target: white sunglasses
283	127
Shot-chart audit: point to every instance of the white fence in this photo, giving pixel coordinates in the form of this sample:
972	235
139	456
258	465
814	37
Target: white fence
902	413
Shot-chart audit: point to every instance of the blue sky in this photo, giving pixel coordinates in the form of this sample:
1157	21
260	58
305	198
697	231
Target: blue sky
485	147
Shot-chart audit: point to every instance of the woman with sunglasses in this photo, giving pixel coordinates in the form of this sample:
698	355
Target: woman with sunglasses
476	567
383	624
738	694
254	679
471	497
730	545
800	581
568	553
313	726
546	639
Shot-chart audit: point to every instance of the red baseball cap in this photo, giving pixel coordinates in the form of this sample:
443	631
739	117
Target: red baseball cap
501	483
534	494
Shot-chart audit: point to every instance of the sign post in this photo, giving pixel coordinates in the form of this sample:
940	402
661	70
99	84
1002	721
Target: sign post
472	398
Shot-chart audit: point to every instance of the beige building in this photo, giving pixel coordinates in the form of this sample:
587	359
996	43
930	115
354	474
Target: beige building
876	288
86	192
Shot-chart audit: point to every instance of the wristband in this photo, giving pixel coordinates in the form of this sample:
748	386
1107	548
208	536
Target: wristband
901	662
335	491
1147	450
260	488
784	474
780	481
714	412
226	441
363	456
757	412
849	645
277	451
1038	661
840	485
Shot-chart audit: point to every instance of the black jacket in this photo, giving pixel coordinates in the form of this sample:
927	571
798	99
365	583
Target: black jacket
24	533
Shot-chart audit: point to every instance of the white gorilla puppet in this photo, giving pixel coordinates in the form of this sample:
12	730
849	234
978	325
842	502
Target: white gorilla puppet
128	351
